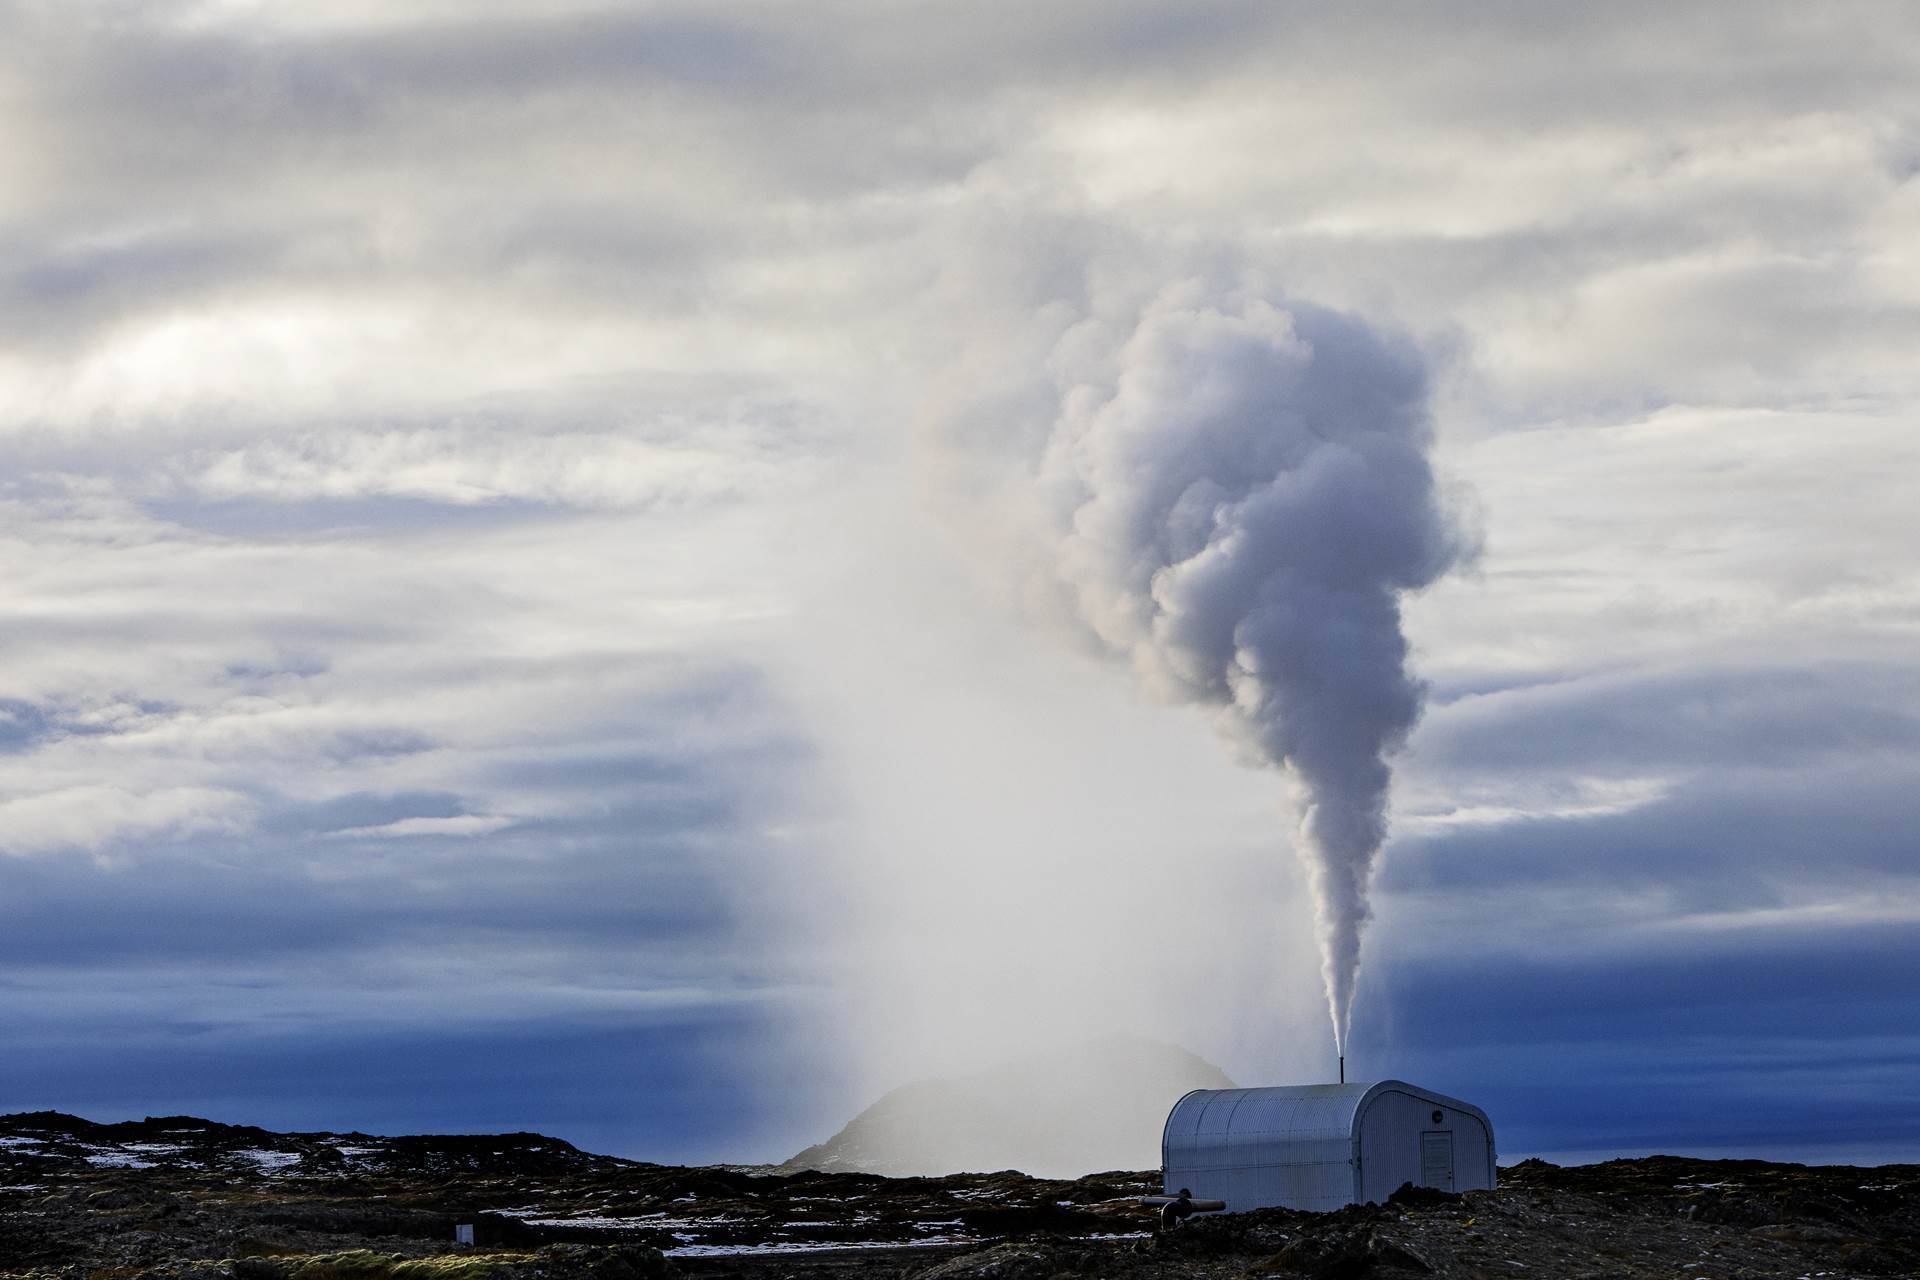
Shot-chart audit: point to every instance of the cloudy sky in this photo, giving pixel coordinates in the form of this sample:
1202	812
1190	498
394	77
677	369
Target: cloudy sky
519	582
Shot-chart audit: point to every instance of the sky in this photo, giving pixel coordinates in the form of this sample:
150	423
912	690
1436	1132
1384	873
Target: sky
520	523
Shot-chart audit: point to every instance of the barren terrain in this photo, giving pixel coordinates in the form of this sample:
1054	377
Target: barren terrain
181	1197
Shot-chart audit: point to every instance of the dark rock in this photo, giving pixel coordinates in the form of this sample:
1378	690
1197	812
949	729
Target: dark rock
1332	1257
137	1196
360	1219
1343	1255
1394	1255
590	1262
1411	1196
1042	1218
1002	1262
209	1208
1736	1211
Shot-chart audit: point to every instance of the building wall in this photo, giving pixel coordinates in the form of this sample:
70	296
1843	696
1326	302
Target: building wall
1317	1176
1317	1147
1259	1147
1391	1127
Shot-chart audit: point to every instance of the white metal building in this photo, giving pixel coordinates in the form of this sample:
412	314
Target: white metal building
1321	1146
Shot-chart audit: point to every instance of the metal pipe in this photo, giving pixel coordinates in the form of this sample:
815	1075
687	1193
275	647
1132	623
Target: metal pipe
1343	1068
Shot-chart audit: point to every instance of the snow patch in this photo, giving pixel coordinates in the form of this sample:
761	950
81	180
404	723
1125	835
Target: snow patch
269	1161
805	1246
117	1160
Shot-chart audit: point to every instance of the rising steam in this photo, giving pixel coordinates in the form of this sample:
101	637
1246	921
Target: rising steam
1241	494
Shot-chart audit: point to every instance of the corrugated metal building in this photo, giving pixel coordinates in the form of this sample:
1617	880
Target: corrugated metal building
1321	1146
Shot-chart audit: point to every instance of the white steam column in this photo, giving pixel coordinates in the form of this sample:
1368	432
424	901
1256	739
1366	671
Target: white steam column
1242	494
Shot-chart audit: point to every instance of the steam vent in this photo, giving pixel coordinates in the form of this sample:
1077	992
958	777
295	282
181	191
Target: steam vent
1322	1146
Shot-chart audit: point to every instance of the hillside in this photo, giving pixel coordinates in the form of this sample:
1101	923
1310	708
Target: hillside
1094	1106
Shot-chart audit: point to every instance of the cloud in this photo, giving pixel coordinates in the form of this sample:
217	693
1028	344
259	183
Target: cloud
1717	719
96	817
465	824
462	466
426	416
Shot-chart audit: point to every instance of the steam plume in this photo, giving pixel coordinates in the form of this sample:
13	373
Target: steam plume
1242	492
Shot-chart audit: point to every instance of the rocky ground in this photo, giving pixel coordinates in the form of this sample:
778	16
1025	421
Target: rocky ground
194	1200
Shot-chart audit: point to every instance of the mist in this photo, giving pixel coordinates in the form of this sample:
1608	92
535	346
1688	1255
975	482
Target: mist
1227	494
1028	857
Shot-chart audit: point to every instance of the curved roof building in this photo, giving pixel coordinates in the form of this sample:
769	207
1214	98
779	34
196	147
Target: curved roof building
1322	1146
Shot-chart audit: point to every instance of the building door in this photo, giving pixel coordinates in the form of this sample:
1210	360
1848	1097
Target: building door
1436	1161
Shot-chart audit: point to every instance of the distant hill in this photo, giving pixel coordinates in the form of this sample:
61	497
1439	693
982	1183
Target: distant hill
38	1143
1093	1107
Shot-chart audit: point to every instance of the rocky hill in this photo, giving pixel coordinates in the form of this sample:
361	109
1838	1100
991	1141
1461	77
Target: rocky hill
1097	1105
41	1143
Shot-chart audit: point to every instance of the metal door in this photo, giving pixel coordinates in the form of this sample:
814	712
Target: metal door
1436	1161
